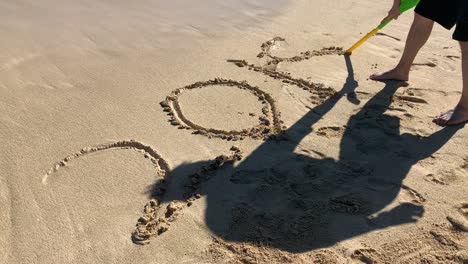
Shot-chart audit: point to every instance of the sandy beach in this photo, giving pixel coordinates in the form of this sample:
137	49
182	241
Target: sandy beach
225	132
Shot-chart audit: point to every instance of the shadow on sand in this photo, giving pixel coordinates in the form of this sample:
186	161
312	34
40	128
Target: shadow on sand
299	202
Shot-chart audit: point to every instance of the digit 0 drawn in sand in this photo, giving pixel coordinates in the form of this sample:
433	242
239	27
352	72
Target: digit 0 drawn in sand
161	165
157	219
270	124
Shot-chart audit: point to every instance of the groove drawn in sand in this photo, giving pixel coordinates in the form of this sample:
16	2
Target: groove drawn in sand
270	124
273	61
452	57
156	220
412	99
161	165
388	36
428	64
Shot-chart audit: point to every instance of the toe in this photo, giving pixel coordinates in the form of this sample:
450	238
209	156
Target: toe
374	76
441	120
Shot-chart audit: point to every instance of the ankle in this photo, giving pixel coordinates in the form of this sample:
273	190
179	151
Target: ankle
463	105
402	69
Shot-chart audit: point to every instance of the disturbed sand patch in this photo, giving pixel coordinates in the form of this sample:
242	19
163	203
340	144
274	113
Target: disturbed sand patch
438	245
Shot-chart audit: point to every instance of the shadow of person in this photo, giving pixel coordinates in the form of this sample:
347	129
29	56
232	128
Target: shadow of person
298	202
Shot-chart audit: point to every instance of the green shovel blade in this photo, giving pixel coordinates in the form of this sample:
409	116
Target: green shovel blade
405	5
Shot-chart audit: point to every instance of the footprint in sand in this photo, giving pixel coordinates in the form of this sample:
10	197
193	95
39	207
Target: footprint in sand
438	245
465	163
459	221
435	179
367	255
420	92
409	194
270	122
331	131
350	204
410	98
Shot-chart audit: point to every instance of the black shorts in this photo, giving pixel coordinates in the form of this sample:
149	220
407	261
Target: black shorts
447	13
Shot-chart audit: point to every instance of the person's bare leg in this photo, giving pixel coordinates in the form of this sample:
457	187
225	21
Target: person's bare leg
418	35
460	113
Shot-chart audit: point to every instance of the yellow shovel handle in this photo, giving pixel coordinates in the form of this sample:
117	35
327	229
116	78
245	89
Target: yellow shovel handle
360	42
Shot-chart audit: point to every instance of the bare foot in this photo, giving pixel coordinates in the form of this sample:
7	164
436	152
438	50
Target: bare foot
394	74
453	117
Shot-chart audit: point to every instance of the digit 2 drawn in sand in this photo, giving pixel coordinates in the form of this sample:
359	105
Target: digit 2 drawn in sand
156	219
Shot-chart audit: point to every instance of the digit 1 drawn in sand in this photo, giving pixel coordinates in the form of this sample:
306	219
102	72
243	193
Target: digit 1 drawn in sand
319	91
161	165
275	60
270	124
157	220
